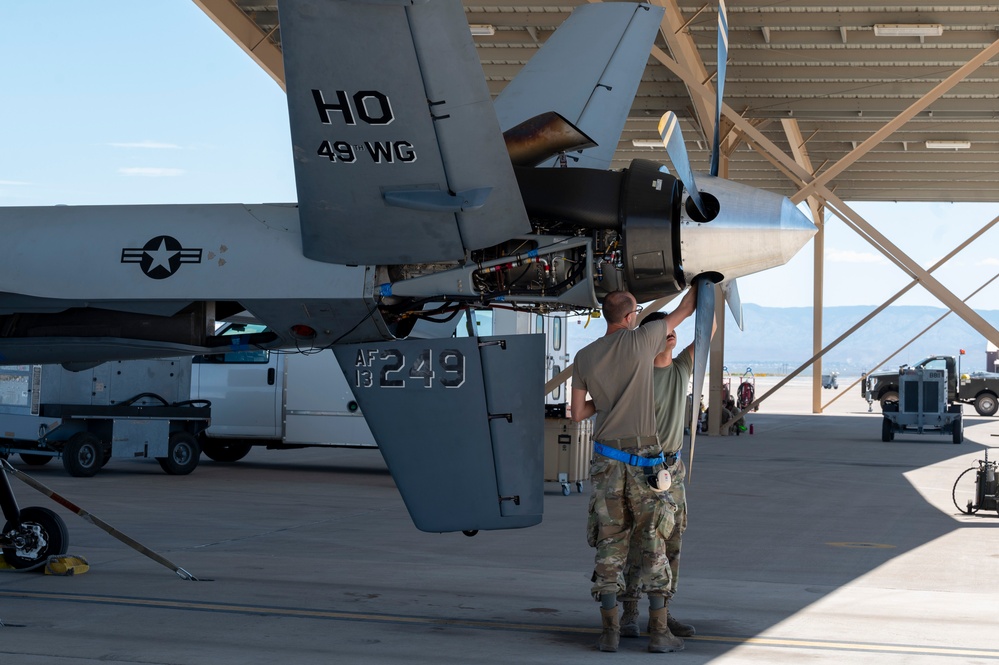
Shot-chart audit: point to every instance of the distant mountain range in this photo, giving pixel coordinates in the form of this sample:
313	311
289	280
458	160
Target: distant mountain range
779	339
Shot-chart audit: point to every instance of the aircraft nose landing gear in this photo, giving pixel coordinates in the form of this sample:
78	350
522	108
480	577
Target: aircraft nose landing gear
30	535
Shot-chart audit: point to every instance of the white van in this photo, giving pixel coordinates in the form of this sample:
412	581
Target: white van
277	399
293	399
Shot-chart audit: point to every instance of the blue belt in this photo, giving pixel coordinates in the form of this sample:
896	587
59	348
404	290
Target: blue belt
627	458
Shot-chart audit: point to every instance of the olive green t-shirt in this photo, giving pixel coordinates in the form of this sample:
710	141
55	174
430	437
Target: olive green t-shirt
671	395
617	371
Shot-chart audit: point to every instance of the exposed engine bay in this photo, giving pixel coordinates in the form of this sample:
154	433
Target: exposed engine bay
594	232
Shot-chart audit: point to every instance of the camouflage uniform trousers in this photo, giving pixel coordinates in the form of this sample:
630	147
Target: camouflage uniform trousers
627	516
633	570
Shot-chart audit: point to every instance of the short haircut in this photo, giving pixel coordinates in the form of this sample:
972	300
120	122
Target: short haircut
618	305
654	316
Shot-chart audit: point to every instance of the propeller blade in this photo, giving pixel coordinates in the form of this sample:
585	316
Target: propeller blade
704	317
720	83
731	291
669	131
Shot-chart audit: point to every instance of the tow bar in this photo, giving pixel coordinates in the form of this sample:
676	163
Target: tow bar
33	534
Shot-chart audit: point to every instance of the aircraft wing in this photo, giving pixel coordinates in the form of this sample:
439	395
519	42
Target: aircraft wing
459	423
398	153
592	87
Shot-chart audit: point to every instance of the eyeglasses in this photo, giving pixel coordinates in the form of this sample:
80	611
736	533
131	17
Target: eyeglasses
638	309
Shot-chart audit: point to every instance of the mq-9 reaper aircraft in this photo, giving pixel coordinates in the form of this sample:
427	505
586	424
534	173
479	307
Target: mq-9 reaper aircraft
418	196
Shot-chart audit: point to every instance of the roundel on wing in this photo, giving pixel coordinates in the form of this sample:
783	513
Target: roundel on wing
160	257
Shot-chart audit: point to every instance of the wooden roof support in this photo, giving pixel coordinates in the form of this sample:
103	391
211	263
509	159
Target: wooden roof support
247	35
681	44
800	154
877	137
838	206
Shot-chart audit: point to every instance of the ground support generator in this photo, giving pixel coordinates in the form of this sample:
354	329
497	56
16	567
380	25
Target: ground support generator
922	406
122	409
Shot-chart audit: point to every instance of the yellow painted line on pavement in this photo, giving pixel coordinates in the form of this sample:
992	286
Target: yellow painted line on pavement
261	610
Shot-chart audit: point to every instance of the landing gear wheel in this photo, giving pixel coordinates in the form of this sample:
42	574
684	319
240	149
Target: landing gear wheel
958	430
83	455
35	460
470	532
887	431
42	534
965	492
225	451
182	454
986	404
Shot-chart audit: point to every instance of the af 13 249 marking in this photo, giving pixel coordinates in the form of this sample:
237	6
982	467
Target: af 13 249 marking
391	368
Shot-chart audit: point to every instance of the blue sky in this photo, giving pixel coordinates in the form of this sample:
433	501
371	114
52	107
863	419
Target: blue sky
135	102
124	102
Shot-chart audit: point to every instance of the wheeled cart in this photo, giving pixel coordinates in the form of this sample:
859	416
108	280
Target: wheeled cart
922	406
746	392
124	409
568	450
977	488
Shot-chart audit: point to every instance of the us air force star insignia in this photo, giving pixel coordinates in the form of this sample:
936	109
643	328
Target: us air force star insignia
160	257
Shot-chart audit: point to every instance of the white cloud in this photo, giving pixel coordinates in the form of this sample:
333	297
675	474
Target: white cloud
155	145
151	172
991	261
13	183
851	256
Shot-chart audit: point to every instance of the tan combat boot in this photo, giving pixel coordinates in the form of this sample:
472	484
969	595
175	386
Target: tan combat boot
629	619
611	635
677	627
660	639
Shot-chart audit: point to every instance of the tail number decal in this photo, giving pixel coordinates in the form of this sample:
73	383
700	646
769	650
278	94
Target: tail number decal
388	369
380	152
372	108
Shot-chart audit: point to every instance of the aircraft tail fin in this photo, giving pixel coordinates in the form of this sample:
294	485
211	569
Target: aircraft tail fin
398	153
588	71
465	450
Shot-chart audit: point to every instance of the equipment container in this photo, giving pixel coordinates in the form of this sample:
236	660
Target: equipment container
568	450
123	409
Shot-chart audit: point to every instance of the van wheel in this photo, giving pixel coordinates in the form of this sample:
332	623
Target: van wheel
83	455
182	454
986	404
225	451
